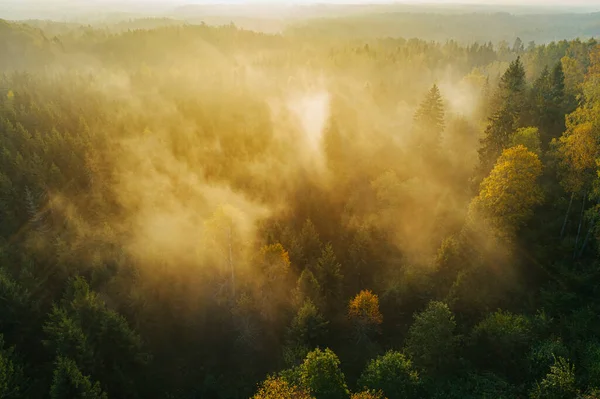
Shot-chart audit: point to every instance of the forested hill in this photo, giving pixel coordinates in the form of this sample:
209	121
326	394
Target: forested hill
465	23
190	211
463	27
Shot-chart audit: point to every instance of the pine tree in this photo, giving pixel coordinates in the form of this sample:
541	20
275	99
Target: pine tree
429	121
69	382
509	116
329	276
548	104
11	374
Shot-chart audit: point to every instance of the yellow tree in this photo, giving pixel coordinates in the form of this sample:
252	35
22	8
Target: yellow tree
579	146
363	311
368	395
508	195
278	388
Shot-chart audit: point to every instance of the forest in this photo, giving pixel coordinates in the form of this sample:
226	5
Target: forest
195	211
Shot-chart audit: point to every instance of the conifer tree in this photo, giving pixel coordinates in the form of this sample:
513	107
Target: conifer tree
509	115
429	121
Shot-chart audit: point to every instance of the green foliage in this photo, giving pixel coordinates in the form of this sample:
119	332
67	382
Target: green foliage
328	272
98	339
393	374
559	382
12	380
543	354
308	288
528	137
69	382
307	330
431	341
500	342
118	159
321	376
510	100
477	385
591	363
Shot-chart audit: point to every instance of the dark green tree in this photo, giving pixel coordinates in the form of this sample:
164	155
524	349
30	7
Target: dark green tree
431	341
330	278
69	382
97	338
12	379
548	104
306	332
499	343
559	382
510	101
394	375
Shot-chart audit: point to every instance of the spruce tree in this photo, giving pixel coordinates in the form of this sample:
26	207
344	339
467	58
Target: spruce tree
509	116
429	121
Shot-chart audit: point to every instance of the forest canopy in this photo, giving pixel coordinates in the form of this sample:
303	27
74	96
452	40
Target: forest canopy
194	211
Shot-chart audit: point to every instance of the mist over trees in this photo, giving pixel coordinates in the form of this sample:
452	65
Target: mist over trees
206	211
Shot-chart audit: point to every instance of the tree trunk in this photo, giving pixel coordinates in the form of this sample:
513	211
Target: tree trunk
562	231
585	241
580	223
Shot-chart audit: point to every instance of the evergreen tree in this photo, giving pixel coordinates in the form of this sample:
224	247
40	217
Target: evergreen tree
330	278
509	115
548	104
306	332
98	339
12	380
429	121
69	382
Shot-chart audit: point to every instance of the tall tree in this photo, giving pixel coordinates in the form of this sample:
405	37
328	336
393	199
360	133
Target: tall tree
431	340
69	382
548	104
98	339
363	312
429	121
508	195
510	100
330	278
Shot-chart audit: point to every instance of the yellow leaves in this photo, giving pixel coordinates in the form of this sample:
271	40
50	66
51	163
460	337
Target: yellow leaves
578	148
10	95
508	195
594	68
368	395
574	74
364	308
278	388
